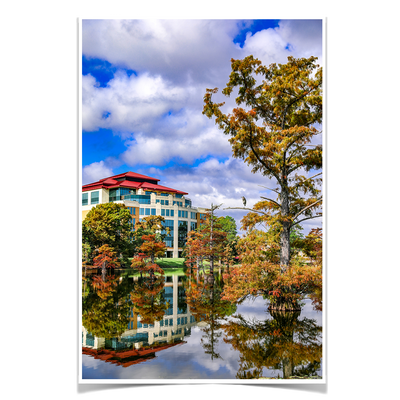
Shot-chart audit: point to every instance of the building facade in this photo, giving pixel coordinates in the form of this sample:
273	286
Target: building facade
144	196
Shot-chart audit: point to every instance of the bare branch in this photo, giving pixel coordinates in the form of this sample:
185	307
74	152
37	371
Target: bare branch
270	189
273	201
244	208
306	208
298	222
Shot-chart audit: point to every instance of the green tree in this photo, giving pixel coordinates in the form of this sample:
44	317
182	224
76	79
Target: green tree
274	134
109	224
228	225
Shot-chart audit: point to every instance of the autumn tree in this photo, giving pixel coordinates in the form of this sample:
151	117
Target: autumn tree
106	258
207	243
150	225
145	261
274	134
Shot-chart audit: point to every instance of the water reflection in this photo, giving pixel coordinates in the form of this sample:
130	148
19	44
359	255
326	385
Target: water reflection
174	322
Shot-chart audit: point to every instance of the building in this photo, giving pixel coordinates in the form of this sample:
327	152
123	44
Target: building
143	195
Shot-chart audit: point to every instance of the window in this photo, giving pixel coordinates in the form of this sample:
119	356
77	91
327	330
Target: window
179	196
188	203
167	213
172	213
153	211
121	194
167	202
164	194
182	233
140	198
94	197
85	199
147	211
193	226
141	211
163	212
168	240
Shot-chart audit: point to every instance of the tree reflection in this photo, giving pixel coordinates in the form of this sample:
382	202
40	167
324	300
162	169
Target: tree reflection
104	306
148	300
203	296
283	343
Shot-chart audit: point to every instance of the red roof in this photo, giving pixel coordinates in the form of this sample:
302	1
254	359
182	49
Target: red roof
112	183
135	175
126	358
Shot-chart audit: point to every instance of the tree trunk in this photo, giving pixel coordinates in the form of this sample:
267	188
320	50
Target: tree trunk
285	234
103	271
285	247
211	242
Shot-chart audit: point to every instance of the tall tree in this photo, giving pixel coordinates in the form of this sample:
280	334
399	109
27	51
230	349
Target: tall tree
274	134
208	243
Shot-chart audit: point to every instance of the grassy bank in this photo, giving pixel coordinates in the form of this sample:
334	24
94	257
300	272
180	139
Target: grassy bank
170	262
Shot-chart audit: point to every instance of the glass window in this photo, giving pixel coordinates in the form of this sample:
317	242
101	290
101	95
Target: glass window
141	211
85	199
179	196
182	233
167	202
153	211
94	197
163	212
172	213
167	213
147	211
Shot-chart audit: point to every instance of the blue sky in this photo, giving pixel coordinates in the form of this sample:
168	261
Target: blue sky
142	98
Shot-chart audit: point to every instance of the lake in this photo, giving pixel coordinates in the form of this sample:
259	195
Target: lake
179	327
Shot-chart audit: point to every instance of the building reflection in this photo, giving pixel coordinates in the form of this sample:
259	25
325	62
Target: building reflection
140	341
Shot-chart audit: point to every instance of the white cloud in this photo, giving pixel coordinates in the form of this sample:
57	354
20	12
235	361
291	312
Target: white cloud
129	104
180	50
95	171
304	36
